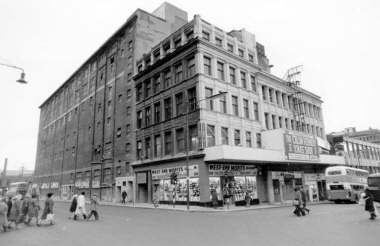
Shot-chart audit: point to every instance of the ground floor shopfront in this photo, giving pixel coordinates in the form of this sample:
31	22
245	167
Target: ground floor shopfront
108	191
261	182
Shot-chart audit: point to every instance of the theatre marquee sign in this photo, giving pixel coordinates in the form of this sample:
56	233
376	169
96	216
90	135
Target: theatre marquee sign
301	147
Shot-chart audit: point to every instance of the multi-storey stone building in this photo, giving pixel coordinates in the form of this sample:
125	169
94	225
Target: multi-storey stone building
246	140
86	132
356	152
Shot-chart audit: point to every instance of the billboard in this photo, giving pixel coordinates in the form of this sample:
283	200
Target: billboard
301	147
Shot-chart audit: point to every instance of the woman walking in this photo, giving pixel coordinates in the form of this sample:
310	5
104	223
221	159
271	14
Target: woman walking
74	204
369	205
15	212
48	209
297	203
33	209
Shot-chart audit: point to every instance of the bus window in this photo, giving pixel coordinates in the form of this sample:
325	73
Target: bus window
357	187
335	172
336	187
374	181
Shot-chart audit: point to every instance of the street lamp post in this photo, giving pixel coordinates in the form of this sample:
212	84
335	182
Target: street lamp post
21	80
220	94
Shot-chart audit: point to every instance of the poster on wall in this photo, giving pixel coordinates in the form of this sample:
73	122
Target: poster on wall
301	147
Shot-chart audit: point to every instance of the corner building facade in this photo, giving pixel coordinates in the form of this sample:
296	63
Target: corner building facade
247	140
86	130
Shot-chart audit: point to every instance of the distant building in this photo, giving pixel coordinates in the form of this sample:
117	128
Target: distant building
370	135
356	152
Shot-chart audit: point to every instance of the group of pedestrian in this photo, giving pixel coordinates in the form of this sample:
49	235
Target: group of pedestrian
299	203
78	207
18	209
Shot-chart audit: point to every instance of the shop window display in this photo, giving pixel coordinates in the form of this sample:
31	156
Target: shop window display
238	186
166	190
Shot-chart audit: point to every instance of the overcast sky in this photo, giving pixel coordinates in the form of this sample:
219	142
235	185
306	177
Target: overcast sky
337	42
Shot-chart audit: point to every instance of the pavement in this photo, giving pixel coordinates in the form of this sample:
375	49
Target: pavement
327	224
202	209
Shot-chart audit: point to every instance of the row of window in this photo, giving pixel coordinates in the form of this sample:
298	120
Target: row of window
169	76
363	151
163	144
290	102
76	90
248	111
236	76
153	114
237	137
273	122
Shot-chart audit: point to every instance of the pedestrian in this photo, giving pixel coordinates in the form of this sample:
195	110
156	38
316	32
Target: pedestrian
3	214
74	204
156	197
15	212
81	206
304	199
247	199
123	196
93	208
369	205
214	198
24	208
33	209
9	203
298	203
226	196
174	195
47	214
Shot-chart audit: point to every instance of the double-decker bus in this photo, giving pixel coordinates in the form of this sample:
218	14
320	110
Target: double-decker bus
345	183
374	185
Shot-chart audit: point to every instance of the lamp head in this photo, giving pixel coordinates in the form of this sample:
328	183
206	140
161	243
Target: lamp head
22	80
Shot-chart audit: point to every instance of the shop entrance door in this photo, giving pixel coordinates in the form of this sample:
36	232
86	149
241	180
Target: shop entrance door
227	181
142	193
276	190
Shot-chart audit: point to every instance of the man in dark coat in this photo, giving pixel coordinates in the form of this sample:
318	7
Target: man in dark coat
123	196
369	205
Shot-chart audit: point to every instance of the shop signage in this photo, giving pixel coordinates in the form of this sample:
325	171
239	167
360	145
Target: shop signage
300	147
231	170
45	186
286	175
164	173
141	178
54	185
